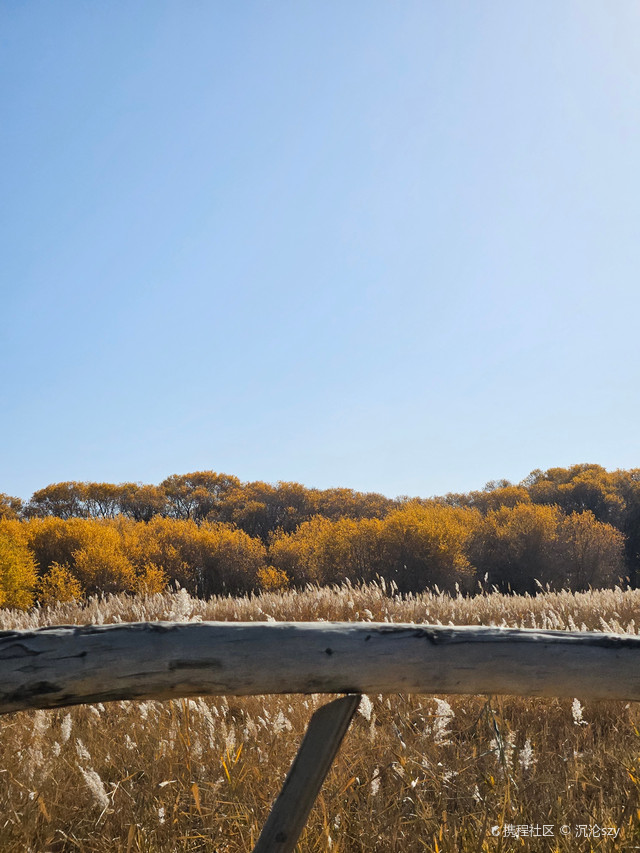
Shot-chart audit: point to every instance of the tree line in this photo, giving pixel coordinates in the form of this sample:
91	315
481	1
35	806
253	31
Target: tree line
576	528
260	509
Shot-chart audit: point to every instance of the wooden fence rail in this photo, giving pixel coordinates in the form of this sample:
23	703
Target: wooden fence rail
55	667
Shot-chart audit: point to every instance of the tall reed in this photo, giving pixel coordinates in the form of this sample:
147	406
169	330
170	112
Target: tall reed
416	773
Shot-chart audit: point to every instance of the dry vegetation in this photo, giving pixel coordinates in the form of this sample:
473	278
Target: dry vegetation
416	773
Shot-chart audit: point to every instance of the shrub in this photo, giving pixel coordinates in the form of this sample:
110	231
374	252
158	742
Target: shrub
58	584
272	579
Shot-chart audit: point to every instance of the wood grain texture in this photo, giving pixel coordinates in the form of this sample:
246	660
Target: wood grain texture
317	751
53	667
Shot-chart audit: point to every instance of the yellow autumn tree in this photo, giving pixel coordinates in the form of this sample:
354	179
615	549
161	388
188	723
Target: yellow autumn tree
100	564
270	578
527	544
53	539
206	559
324	551
92	550
58	585
151	579
591	553
579	488
493	496
424	545
18	573
515	546
10	507
417	546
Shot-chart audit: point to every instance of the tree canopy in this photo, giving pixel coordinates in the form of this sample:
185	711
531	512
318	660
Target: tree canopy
575	527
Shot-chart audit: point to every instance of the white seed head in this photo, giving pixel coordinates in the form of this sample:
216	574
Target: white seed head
576	713
65	729
365	707
94	784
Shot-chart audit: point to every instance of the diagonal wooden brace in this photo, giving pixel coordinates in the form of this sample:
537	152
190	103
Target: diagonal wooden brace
318	749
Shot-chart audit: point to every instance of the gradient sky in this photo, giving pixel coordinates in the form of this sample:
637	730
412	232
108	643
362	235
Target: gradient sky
391	246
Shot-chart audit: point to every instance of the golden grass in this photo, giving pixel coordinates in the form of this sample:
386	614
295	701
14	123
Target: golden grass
416	773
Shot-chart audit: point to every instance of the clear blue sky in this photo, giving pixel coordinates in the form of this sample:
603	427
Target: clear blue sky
391	246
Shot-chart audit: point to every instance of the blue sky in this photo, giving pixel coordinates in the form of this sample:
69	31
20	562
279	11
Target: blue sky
391	246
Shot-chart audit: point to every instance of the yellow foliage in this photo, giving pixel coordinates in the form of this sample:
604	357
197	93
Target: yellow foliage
271	578
416	546
58	584
53	540
325	551
592	552
518	546
207	558
93	550
17	569
151	579
9	507
490	499
579	488
425	545
515	546
101	566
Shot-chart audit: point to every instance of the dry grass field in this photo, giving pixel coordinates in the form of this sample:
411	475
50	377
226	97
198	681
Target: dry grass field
415	773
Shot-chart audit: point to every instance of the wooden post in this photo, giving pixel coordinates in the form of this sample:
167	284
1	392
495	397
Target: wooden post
318	749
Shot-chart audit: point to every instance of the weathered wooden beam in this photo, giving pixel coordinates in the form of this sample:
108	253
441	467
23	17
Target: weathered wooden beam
53	667
319	747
